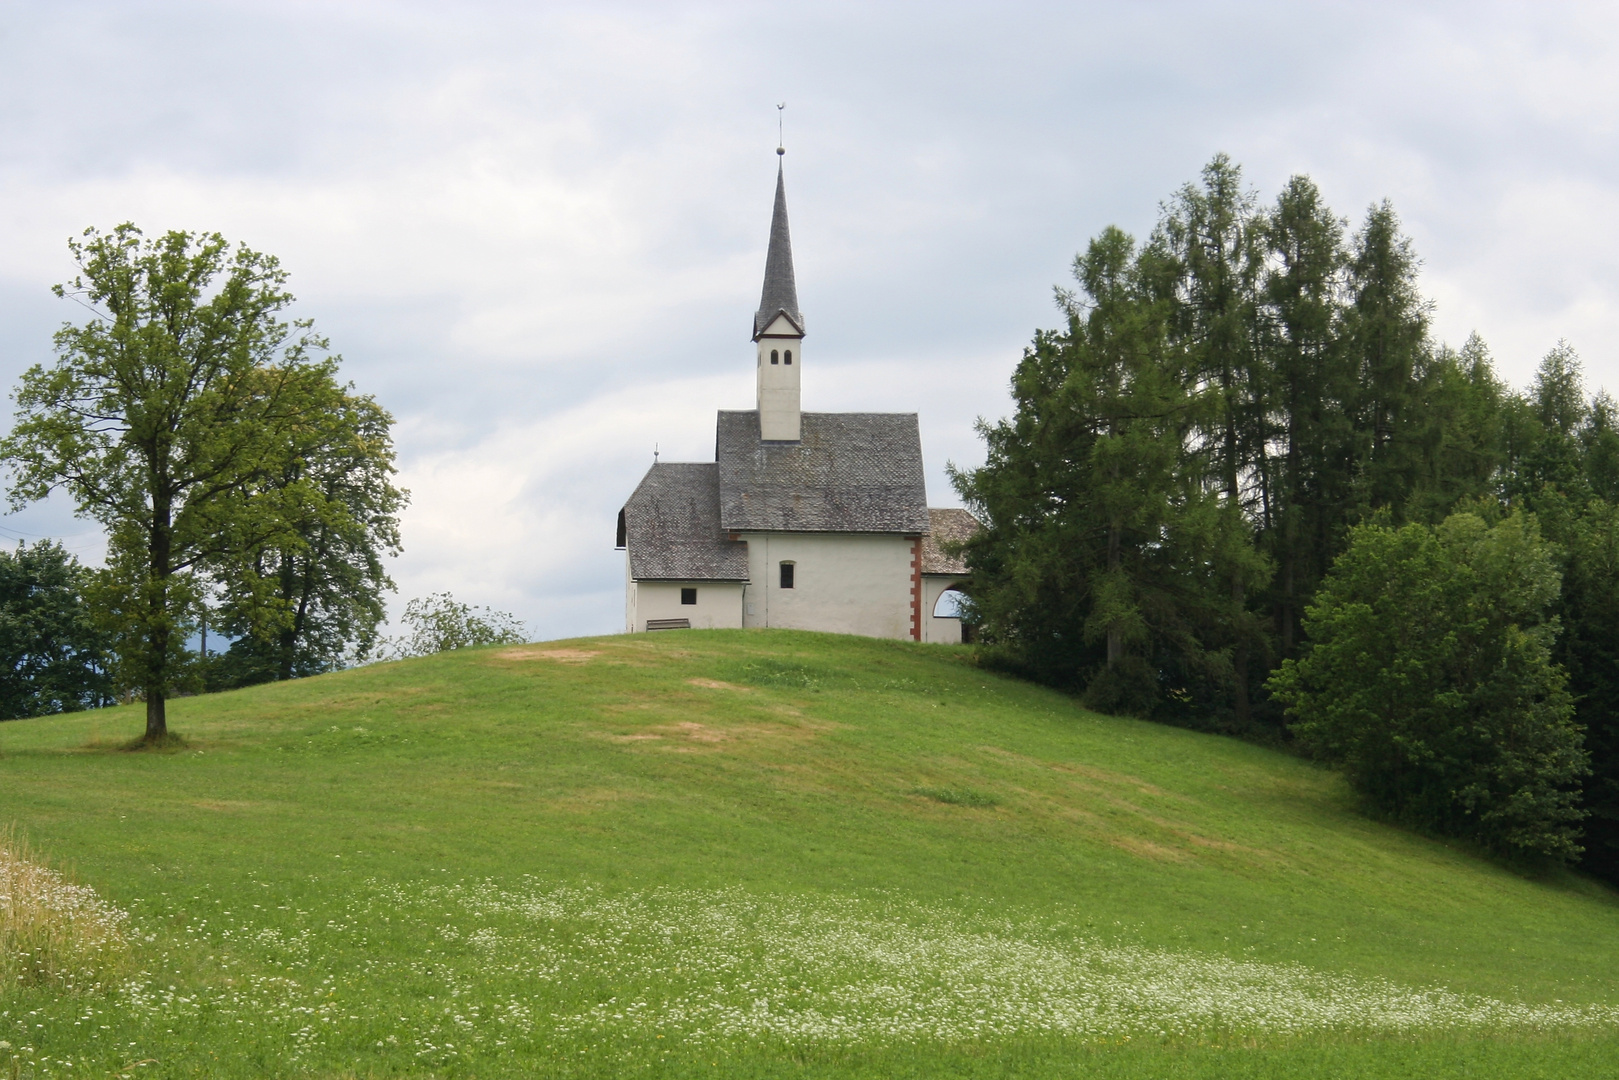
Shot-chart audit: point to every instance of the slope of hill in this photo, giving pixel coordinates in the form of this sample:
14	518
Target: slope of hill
769	853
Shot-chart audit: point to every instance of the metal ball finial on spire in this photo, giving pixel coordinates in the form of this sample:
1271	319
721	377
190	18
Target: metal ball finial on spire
781	141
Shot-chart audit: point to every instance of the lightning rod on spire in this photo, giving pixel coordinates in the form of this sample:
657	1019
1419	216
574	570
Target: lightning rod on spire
781	141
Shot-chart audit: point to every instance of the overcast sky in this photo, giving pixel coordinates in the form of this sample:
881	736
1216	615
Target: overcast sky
537	233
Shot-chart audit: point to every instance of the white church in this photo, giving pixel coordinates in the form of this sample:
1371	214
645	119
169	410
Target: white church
805	520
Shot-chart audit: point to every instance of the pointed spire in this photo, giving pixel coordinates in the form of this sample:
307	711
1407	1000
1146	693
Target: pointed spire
780	295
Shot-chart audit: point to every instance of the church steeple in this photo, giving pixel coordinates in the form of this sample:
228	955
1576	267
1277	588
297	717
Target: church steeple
778	330
780	296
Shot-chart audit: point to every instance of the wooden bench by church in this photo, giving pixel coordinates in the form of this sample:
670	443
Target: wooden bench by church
668	624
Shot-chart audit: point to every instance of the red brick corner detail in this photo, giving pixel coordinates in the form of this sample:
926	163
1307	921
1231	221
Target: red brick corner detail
916	588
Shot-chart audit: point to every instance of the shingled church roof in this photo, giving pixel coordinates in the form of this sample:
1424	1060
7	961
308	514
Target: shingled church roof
849	472
671	527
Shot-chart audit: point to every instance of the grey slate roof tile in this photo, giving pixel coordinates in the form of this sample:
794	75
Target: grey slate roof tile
849	472
672	527
952	526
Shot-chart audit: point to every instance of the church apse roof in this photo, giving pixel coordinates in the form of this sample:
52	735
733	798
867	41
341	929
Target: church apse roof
950	525
849	472
672	527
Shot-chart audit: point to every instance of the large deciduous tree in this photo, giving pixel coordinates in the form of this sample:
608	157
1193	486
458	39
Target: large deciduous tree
326	576
164	417
1430	678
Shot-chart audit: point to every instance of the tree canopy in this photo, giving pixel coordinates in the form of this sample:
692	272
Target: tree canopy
178	416
1430	677
1225	404
53	657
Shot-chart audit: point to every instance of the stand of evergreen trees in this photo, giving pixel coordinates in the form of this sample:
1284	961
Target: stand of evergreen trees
1231	404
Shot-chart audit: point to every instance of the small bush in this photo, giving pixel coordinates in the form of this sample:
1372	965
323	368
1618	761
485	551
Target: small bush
439	622
53	931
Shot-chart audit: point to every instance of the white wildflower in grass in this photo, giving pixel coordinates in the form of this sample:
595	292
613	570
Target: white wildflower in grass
53	931
730	964
471	976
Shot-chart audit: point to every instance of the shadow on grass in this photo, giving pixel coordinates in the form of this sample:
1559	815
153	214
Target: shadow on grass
171	743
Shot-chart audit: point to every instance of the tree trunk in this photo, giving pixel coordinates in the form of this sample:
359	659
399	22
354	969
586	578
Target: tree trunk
1284	624
160	552
1239	658
287	641
157	721
1115	637
1290	527
286	646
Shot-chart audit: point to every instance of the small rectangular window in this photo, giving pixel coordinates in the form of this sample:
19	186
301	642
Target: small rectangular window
688	596
786	575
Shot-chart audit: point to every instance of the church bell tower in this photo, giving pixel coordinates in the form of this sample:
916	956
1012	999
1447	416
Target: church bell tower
778	331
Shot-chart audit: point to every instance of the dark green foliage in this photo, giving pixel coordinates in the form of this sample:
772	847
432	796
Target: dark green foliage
1452	442
1311	395
1587	538
1305	398
1187	460
247	662
1544	429
1385	331
1430	679
1108	563
1601	443
53	658
1562	450
327	578
1208	232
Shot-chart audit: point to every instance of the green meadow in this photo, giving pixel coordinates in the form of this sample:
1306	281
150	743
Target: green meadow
763	854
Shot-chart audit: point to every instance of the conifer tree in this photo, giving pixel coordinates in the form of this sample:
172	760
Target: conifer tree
1311	378
1209	233
1386	333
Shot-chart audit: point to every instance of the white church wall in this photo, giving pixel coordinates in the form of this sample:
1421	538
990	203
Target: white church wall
630	597
718	606
934	627
843	583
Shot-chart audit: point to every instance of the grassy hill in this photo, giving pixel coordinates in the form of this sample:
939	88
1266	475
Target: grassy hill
768	854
